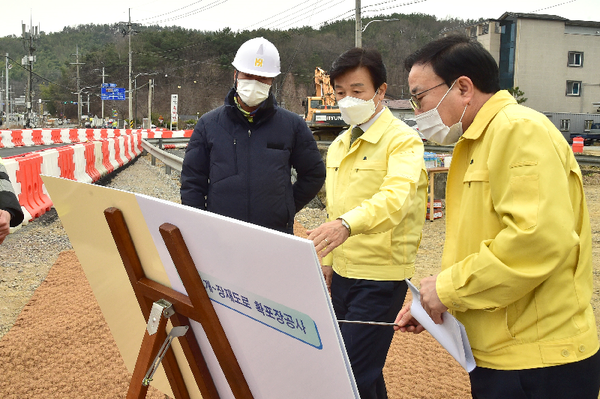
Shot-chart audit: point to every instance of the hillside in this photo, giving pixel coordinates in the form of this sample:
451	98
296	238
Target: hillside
196	64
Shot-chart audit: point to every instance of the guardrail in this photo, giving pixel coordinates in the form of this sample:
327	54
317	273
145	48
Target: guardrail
175	162
170	160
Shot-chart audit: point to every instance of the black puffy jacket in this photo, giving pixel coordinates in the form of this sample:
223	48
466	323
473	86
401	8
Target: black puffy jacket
243	170
8	200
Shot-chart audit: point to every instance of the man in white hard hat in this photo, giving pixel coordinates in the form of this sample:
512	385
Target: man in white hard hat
238	161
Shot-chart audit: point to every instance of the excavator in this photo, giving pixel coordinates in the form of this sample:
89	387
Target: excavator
321	113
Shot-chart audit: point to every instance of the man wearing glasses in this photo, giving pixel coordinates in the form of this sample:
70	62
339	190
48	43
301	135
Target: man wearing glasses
516	267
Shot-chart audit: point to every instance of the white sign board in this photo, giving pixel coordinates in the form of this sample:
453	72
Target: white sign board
174	114
267	288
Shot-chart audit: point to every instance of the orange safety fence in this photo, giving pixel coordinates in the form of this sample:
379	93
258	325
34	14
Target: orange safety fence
32	196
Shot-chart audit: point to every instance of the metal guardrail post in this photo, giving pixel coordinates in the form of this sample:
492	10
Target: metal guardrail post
171	161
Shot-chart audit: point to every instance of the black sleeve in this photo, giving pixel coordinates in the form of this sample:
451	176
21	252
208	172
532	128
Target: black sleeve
309	165
8	200
195	170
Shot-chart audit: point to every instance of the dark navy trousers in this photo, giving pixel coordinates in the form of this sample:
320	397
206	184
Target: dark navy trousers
579	380
367	345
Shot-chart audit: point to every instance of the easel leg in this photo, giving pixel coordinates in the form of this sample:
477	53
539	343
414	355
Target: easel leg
203	305
148	351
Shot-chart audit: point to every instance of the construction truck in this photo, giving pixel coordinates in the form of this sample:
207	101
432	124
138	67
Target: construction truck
321	113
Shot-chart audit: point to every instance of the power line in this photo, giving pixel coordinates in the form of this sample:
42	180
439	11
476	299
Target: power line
286	22
556	5
279	14
190	13
39	76
170	12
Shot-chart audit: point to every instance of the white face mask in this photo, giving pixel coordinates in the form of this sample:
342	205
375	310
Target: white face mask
252	92
433	128
356	111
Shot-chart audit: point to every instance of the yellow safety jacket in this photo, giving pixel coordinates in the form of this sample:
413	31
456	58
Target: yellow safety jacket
517	267
379	187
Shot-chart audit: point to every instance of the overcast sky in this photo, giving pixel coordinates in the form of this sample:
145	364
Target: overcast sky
212	15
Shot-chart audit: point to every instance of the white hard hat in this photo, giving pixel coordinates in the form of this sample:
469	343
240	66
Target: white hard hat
259	57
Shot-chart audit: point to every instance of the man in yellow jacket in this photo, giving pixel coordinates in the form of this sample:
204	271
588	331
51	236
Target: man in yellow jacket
516	267
376	195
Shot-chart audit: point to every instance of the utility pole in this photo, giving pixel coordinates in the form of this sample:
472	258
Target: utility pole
358	26
7	112
130	93
150	87
28	60
103	76
78	85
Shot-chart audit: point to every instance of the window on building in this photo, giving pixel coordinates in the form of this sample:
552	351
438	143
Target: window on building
573	88
587	125
575	59
485	29
473	31
497	27
565	125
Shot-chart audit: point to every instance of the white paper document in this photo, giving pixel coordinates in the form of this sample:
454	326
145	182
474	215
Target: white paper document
450	334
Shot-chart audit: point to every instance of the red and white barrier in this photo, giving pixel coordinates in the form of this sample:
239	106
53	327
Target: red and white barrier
33	137
92	156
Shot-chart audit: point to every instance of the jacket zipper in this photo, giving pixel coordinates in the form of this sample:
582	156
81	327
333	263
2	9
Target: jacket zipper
235	155
248	183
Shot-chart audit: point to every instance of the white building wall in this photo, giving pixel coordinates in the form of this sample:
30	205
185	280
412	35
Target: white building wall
542	71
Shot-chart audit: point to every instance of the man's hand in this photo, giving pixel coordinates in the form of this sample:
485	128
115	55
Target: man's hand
407	323
430	299
328	236
4	225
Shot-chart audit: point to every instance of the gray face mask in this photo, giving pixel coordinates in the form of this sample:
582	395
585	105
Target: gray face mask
433	128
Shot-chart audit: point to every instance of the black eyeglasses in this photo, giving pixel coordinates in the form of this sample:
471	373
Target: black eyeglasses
415	103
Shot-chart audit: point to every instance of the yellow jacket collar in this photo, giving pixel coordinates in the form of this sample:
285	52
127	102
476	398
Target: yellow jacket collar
375	131
485	115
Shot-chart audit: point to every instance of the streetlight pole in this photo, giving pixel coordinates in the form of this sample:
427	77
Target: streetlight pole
103	75
130	99
136	88
358	26
78	84
150	87
7	98
360	30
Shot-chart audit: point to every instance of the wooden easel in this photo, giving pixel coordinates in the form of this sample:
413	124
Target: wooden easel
197	306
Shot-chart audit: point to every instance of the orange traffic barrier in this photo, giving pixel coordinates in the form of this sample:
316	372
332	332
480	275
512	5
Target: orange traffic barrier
66	162
90	162
106	157
17	138
32	196
73	136
89	134
36	137
56	137
578	145
126	146
118	145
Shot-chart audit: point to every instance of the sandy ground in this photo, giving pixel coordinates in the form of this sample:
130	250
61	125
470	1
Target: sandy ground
60	345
